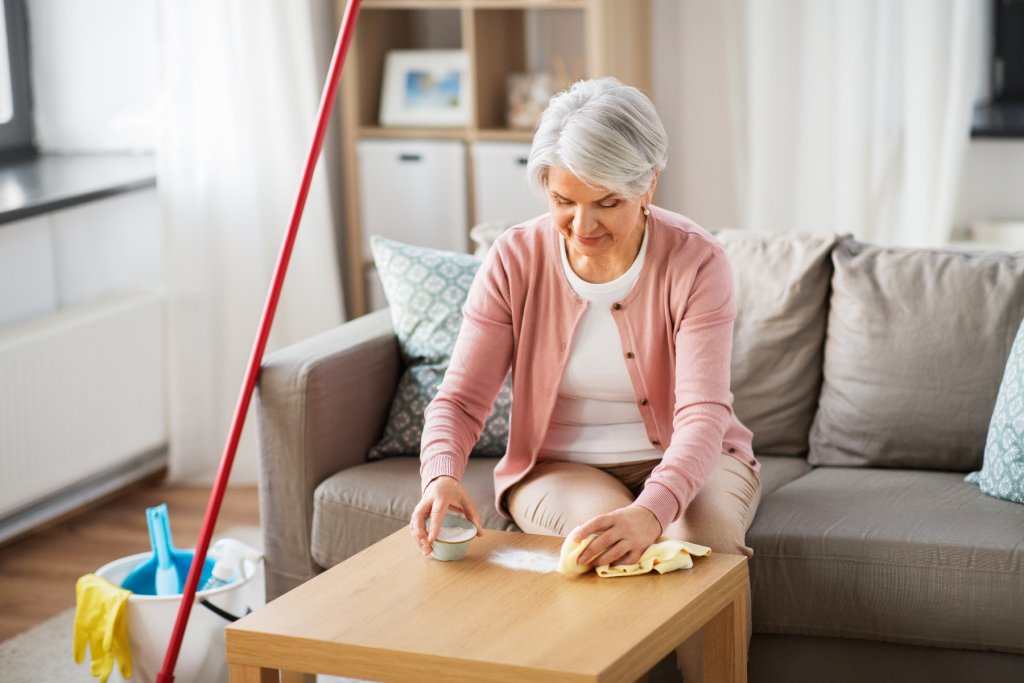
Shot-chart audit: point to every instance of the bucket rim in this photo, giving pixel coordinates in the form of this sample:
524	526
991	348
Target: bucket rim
138	557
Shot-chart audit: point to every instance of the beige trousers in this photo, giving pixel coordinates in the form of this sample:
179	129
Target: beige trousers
556	497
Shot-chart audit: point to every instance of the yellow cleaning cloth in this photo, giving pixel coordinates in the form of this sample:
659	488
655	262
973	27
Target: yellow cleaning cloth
663	556
101	620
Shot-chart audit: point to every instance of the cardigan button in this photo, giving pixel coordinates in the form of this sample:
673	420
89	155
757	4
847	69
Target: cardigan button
629	354
617	307
655	442
643	402
732	450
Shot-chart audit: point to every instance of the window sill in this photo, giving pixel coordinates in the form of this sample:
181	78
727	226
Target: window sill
48	182
998	120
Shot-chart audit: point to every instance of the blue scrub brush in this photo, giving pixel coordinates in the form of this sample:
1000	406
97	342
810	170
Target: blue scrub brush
161	573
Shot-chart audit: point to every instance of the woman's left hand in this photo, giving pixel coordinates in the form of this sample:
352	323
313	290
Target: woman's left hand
623	536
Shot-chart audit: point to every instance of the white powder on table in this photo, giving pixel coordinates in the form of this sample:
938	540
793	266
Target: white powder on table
529	560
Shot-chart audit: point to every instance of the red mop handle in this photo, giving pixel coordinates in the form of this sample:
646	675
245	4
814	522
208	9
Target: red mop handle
348	24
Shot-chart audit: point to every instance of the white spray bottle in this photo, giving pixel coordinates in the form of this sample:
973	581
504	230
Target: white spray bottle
227	568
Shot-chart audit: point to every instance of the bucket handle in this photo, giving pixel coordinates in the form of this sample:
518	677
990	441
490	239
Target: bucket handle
223	613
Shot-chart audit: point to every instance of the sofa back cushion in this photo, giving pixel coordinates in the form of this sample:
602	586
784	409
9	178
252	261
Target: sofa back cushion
781	286
914	353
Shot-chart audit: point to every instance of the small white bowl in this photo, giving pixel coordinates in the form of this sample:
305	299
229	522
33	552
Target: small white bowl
456	534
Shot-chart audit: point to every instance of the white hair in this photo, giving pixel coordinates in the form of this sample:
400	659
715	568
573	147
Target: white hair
604	132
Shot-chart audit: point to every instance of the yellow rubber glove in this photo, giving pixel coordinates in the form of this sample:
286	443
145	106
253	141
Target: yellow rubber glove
101	621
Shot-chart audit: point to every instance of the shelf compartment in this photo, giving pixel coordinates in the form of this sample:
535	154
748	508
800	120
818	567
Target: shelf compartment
529	40
385	28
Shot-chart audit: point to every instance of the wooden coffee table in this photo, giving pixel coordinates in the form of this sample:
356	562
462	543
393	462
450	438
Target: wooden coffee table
391	614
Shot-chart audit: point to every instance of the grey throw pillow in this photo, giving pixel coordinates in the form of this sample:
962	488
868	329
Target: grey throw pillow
781	283
914	352
426	289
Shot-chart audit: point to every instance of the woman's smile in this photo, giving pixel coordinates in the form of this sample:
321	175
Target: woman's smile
588	241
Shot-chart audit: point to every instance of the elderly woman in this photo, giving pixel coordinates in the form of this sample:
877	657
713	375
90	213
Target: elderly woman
615	317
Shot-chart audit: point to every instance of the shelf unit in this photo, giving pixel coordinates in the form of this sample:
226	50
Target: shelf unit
591	37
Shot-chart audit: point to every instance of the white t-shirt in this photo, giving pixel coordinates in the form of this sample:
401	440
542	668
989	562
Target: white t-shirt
596	419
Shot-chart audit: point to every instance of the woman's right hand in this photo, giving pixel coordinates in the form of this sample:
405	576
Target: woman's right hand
442	494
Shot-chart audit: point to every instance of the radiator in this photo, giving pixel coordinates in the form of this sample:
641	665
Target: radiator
81	402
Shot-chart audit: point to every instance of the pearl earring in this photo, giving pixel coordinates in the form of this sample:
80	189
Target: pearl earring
647	212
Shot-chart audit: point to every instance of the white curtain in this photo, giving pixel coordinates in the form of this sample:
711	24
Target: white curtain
852	116
240	81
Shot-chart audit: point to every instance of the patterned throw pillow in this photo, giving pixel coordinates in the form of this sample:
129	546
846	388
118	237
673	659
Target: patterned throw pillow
426	289
1002	473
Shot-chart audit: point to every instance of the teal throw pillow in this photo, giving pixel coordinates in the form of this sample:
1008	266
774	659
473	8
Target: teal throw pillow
1002	472
426	289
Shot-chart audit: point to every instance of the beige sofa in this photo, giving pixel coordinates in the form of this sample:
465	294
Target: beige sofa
867	375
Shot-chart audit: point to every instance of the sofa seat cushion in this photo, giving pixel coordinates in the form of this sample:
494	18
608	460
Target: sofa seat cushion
904	556
358	506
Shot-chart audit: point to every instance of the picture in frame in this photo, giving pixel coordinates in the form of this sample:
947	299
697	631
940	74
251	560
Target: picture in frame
428	88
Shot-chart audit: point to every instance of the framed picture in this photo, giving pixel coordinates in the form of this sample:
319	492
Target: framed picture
427	88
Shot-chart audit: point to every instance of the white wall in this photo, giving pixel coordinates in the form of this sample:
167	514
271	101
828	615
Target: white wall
690	64
79	254
94	74
992	182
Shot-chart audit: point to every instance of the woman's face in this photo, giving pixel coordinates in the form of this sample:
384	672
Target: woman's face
595	223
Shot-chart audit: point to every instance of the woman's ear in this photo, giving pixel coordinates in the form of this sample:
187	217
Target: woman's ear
649	195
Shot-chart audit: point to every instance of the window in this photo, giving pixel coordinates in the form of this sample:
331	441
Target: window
1002	116
15	92
1008	60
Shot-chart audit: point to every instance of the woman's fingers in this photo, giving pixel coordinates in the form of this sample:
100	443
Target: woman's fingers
611	554
436	517
597	525
436	501
419	520
597	547
620	536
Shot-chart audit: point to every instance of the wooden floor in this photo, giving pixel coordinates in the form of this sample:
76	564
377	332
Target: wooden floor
38	572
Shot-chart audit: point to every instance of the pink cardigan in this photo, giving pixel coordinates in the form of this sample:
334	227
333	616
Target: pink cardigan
521	312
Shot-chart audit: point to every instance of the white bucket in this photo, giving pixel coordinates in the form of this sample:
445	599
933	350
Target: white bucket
151	618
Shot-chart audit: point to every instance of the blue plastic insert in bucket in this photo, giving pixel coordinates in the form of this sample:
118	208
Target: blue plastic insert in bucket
151	620
144	582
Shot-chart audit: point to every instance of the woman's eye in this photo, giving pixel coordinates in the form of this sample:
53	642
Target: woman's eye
612	205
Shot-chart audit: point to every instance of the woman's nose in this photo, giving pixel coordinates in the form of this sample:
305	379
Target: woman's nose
583	222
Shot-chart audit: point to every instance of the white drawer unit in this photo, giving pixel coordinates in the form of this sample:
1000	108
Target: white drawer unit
413	191
499	174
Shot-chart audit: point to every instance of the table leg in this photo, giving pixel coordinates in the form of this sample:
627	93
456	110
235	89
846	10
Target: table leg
725	643
244	673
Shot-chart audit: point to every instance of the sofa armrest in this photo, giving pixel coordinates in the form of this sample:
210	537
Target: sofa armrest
320	405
